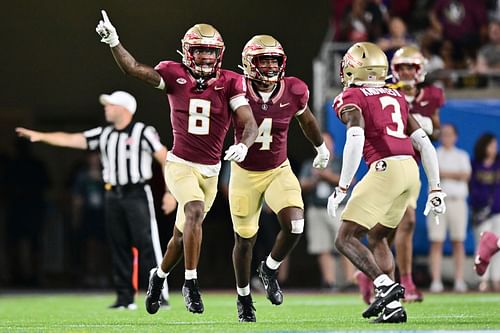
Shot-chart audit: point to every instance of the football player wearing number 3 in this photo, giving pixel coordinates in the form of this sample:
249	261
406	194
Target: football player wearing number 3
203	100
380	129
266	173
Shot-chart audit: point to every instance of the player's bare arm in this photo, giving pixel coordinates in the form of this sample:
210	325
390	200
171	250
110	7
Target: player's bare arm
310	127
60	139
244	118
130	66
123	58
352	117
412	125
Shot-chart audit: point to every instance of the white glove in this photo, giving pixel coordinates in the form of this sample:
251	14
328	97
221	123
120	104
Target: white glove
334	201
236	152
424	122
106	30
435	203
321	159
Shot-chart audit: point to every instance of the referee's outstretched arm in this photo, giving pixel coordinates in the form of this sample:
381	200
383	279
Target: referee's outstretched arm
61	139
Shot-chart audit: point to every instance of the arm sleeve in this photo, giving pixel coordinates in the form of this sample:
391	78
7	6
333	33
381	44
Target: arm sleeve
353	152
92	136
422	143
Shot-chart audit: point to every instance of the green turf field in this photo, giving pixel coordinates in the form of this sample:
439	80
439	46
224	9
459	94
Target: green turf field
299	313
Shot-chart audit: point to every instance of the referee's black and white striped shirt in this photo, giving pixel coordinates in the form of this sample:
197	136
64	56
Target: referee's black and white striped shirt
126	154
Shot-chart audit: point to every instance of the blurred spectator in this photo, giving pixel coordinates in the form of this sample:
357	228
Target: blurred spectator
455	170
26	185
463	23
321	230
493	7
396	38
362	21
430	49
88	224
485	199
488	57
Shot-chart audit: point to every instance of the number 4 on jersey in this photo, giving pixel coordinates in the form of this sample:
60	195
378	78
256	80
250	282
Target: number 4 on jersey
265	136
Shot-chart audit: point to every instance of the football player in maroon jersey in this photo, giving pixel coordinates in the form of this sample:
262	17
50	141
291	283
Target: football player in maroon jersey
266	174
203	100
408	70
379	129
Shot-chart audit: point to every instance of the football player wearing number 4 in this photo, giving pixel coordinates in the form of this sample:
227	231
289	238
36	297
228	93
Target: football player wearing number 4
380	129
203	100
266	173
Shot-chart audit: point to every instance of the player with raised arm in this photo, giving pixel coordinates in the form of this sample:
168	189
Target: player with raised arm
203	100
379	129
265	174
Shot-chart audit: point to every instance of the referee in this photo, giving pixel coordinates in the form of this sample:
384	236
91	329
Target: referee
127	149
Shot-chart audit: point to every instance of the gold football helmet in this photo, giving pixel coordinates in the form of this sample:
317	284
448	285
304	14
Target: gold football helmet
409	55
364	64
259	46
202	36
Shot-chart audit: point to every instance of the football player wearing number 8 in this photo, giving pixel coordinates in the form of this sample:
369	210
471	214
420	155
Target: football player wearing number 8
203	99
266	173
380	129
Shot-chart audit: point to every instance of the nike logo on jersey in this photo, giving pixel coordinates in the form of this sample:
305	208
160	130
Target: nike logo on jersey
218	88
384	317
424	103
282	105
181	80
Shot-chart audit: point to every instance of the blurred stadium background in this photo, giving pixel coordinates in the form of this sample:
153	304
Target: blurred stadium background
54	67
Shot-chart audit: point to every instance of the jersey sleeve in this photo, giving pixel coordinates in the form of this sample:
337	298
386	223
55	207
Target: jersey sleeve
237	90
92	136
152	138
164	68
345	98
301	91
237	86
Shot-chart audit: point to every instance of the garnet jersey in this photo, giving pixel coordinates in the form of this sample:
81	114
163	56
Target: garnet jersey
200	119
385	112
273	118
427	101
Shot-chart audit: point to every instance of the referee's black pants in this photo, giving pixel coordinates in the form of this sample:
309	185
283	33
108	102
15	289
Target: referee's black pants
129	212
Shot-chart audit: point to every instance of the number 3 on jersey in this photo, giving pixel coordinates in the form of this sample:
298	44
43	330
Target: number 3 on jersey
199	116
265	136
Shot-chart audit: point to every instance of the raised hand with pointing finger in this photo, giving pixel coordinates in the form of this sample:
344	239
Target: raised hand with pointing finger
106	30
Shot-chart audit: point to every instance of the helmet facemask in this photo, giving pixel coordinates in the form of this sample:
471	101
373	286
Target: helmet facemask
263	51
409	55
205	39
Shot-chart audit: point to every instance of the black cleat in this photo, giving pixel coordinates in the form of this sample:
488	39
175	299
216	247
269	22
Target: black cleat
246	310
268	278
396	315
192	297
153	300
384	295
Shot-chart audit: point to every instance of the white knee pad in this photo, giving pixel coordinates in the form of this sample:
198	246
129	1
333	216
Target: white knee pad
297	226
